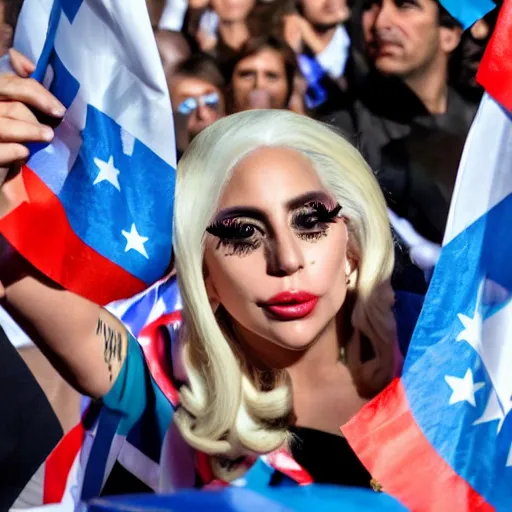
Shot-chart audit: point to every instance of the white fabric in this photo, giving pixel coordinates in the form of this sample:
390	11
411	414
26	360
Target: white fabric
482	180
423	252
173	15
139	465
127	57
335	55
13	331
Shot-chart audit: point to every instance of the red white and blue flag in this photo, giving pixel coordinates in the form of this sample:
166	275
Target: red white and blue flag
98	219
440	438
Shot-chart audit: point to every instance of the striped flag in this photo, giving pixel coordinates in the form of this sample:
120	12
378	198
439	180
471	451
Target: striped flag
98	219
440	438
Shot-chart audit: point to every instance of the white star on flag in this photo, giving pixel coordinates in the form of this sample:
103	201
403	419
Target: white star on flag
107	172
472	332
135	241
472	329
463	389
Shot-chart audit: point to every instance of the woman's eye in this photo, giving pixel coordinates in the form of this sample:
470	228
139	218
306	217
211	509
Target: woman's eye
240	237
245	231
310	221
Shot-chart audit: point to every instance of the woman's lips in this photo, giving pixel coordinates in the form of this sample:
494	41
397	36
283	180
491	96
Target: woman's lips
291	305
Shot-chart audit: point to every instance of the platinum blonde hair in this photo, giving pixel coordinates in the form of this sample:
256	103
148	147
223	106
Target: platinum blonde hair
227	411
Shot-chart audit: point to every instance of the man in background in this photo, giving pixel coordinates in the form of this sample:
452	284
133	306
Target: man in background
407	120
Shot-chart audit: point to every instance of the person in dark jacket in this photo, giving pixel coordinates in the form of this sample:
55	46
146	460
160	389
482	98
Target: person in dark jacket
407	120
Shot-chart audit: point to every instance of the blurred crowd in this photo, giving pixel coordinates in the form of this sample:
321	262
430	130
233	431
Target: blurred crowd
396	77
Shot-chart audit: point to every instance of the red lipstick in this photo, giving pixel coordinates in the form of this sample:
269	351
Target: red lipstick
291	305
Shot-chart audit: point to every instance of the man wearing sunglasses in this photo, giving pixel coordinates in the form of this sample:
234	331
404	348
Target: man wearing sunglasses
197	98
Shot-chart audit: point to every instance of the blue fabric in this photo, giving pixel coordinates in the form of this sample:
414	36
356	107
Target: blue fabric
468	12
457	371
135	407
136	393
314	73
299	499
407	310
100	213
145	200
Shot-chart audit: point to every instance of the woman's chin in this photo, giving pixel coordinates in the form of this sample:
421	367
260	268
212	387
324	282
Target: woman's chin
296	338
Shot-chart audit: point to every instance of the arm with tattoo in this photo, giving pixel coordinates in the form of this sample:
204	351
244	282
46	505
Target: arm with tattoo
113	347
84	342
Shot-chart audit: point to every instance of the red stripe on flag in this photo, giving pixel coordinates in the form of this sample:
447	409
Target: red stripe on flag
391	445
40	231
59	463
155	349
495	71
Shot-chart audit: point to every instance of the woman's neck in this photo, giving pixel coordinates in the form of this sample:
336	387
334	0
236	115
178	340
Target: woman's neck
324	393
321	358
234	33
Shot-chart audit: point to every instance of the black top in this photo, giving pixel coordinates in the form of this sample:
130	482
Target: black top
414	154
328	458
29	429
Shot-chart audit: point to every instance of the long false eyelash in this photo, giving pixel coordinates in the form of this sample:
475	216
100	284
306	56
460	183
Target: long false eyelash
323	212
225	231
319	211
312	220
229	229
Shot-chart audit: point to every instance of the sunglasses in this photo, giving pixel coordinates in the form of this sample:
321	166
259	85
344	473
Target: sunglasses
188	105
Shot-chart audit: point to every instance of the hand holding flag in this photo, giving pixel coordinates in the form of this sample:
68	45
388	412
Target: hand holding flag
97	217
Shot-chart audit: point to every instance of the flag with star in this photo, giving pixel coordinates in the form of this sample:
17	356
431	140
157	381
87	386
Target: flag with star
98	219
440	437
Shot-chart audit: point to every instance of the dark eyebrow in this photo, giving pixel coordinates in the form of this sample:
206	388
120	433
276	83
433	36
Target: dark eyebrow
292	204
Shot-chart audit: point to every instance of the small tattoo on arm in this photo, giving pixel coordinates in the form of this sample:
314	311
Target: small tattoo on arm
112	344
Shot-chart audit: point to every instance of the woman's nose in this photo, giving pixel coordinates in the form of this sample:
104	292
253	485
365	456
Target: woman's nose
285	255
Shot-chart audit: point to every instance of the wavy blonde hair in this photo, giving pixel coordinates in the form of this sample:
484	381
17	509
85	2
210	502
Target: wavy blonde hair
228	409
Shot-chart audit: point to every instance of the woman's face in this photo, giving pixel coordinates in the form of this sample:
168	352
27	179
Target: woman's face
275	252
233	10
259	81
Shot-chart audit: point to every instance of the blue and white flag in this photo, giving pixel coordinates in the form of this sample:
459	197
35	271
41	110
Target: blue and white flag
99	216
447	420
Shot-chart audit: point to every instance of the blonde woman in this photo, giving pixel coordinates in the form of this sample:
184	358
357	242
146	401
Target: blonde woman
284	255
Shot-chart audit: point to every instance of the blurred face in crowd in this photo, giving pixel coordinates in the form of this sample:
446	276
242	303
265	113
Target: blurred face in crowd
232	10
325	13
404	37
259	81
196	104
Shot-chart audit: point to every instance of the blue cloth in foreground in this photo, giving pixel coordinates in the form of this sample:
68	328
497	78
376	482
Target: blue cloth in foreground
468	12
298	499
